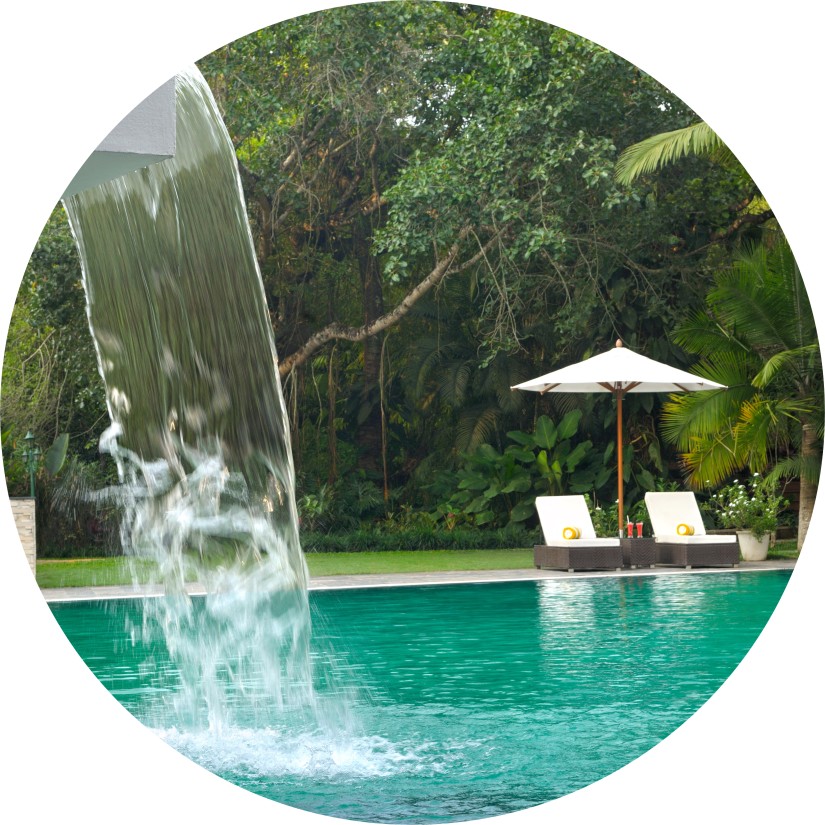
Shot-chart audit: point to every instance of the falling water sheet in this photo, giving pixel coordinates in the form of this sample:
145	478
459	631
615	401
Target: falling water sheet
198	427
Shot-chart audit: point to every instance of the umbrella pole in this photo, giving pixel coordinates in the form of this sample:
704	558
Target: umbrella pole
621	451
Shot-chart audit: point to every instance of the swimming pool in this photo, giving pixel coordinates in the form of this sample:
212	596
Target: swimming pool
453	702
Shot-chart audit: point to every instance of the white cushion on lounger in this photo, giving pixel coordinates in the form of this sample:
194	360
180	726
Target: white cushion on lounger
669	510
558	512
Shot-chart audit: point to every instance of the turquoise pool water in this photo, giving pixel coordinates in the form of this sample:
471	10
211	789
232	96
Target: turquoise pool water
453	702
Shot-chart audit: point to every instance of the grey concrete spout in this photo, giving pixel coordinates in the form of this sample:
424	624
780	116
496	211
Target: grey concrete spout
145	136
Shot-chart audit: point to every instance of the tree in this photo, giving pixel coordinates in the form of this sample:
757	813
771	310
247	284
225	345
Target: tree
51	386
318	110
757	336
51	383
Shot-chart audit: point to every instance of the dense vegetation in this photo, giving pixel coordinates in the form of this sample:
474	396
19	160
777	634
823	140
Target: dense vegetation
433	195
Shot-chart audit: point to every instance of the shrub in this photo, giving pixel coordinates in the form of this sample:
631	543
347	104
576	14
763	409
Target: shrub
418	539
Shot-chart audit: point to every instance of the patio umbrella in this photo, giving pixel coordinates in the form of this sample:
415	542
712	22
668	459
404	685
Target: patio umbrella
619	371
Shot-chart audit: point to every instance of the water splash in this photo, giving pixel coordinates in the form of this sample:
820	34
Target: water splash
198	425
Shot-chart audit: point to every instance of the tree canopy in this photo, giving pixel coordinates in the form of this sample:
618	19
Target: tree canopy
433	195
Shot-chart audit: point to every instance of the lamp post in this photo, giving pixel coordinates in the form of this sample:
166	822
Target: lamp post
31	458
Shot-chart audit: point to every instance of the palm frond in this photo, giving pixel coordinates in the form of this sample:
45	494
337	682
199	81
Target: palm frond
732	368
782	361
745	303
754	432
475	427
660	150
712	459
762	296
699	415
703	335
454	383
807	468
426	358
758	337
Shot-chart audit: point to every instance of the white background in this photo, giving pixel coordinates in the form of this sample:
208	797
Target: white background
72	71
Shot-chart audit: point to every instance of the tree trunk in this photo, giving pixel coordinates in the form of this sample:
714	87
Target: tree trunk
807	488
332	435
369	436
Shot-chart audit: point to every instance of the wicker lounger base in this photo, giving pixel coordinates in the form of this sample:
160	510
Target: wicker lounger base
577	558
698	555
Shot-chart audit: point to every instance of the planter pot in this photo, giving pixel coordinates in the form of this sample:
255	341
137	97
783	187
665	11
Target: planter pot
751	548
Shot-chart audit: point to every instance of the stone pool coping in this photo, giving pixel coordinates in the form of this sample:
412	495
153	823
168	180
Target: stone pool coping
344	582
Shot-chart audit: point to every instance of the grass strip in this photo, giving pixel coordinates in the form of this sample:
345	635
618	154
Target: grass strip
91	572
416	561
53	573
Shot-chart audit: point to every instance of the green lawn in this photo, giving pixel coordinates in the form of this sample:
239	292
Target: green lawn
784	550
96	572
89	572
417	561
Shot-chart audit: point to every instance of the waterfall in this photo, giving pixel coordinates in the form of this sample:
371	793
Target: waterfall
199	428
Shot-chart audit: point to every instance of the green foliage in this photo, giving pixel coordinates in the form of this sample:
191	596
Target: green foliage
605	519
372	139
315	510
55	456
342	505
753	506
499	488
356	541
408	518
74	515
657	151
758	337
459	118
51	384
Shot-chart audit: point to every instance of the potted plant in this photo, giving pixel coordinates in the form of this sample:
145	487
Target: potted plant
752	509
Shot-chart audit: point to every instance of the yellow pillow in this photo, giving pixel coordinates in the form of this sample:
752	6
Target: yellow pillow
571	533
684	530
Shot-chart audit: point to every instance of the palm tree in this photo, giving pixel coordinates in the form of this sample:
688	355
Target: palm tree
757	336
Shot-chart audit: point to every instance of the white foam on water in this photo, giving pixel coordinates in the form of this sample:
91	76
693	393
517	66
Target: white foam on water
314	754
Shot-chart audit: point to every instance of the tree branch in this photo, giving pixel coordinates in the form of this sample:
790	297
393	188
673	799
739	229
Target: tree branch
339	331
760	218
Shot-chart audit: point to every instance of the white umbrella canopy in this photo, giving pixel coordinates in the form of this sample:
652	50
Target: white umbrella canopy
619	371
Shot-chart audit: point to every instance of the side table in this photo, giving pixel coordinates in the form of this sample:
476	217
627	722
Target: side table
638	552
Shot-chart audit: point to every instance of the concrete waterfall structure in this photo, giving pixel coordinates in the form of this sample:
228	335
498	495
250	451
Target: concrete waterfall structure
145	136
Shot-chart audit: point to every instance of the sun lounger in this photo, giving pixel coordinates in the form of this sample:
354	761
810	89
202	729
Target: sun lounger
680	535
570	541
